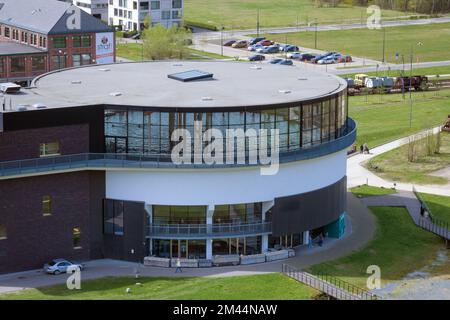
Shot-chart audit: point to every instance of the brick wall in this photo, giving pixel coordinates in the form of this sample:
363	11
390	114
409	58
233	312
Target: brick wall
33	239
24	144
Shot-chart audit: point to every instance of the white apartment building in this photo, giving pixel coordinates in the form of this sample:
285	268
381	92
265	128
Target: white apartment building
131	14
96	8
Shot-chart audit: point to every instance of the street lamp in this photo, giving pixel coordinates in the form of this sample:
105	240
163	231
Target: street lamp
315	34
221	40
257	23
410	83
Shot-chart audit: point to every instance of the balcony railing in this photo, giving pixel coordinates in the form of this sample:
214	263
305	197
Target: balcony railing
199	231
118	160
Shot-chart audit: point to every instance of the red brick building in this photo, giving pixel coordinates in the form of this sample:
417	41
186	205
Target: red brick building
44	35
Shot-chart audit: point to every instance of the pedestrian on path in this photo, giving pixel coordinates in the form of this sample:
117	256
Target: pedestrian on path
310	241
321	239
366	148
178	269
361	149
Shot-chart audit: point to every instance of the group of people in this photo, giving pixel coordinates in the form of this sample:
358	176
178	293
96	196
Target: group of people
364	149
319	241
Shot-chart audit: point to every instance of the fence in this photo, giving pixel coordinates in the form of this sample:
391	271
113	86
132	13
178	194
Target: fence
329	285
430	223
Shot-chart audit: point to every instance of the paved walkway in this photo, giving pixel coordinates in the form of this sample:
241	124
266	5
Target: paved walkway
359	230
358	175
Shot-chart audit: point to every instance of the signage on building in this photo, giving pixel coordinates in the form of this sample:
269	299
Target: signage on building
104	47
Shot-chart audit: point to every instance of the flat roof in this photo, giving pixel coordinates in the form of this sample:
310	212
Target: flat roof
146	84
8	48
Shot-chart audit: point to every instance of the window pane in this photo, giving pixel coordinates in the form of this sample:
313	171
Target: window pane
76	237
46	206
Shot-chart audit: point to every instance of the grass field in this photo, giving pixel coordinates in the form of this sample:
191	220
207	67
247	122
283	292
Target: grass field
238	14
133	51
398	39
399	248
368	191
382	118
394	165
258	287
439	206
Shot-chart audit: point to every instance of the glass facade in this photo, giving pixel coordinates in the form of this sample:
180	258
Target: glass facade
145	132
179	215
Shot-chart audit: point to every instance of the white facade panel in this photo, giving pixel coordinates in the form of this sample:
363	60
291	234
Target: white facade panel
224	186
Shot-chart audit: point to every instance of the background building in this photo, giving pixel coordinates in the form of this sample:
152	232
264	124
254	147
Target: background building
86	170
44	35
131	14
96	8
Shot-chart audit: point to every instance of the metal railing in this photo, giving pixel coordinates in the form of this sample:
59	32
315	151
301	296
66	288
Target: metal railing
429	222
119	160
331	286
205	230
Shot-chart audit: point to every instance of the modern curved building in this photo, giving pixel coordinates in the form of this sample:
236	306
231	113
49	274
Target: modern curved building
86	154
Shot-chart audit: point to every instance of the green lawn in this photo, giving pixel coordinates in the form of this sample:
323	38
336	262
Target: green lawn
238	14
399	248
382	118
398	39
258	287
439	206
368	191
133	51
394	165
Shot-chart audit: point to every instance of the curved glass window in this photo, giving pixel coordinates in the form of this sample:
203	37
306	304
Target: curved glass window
138	131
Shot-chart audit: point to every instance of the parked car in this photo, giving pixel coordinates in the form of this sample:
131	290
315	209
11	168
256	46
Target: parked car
229	43
294	55
327	60
255	47
306	56
137	36
285	62
322	56
58	266
256	40
275	60
271	49
240	44
289	48
360	79
257	57
345	58
266	42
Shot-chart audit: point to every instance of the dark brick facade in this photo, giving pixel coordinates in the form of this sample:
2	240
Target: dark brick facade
24	144
32	238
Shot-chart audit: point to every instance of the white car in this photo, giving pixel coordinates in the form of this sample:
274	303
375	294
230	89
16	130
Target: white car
294	55
327	60
59	266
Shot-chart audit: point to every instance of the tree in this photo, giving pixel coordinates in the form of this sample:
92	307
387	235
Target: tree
162	43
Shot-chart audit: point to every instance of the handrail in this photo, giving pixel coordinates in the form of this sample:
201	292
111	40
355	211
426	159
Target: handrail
431	224
118	160
207	230
329	285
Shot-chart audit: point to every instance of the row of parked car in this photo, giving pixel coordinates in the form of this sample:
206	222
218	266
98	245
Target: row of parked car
262	45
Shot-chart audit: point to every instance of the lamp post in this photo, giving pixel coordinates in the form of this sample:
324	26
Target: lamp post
384	45
315	34
257	23
410	83
221	40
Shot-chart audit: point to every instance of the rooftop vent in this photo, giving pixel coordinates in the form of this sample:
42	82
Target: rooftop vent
76	82
104	69
207	99
190	75
115	94
300	78
22	107
284	91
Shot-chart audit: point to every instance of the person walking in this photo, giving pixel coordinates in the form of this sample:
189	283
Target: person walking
178	269
321	240
310	241
361	149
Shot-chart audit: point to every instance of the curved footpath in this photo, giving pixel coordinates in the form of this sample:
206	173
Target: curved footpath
358	175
